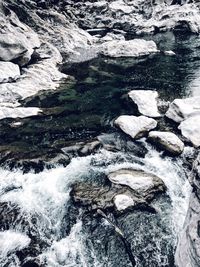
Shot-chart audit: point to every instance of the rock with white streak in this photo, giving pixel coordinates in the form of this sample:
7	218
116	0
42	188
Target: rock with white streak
18	112
181	109
132	48
190	129
8	72
135	127
122	202
146	102
167	141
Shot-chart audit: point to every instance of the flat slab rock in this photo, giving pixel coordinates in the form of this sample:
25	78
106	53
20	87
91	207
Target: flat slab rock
132	48
18	112
190	129
141	182
8	72
167	141
181	109
135	127
146	102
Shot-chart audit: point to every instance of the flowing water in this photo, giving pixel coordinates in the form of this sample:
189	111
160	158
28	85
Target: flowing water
38	219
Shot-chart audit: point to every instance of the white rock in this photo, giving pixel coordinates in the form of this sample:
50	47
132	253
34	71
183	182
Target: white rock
18	112
123	202
169	53
181	109
134	126
168	141
138	180
132	48
8	72
146	102
120	5
190	129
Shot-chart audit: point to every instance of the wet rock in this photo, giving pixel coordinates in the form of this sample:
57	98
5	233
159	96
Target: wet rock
181	109
145	184
119	196
82	148
146	102
167	141
188	248
190	129
9	72
135	127
132	48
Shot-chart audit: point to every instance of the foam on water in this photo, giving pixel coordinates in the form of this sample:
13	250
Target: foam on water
45	197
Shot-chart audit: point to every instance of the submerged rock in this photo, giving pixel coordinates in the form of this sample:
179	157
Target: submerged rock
190	129
135	127
181	109
132	48
9	72
167	141
146	102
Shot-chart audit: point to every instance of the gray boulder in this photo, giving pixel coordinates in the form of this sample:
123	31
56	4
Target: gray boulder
167	141
181	109
8	72
18	112
146	102
132	48
135	127
190	129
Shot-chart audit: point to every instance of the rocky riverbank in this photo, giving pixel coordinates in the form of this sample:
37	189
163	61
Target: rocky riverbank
44	125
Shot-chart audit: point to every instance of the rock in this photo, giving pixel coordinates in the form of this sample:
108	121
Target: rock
122	202
9	72
167	141
18	112
188	247
15	46
146	102
145	184
190	129
135	127
169	53
132	48
181	109
81	148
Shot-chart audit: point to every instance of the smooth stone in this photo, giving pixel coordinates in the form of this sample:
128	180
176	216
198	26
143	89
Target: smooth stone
146	102
190	129
167	141
18	112
135	127
138	180
122	202
181	109
9	72
132	48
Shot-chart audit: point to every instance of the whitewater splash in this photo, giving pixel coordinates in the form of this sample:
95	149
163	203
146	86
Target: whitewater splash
42	201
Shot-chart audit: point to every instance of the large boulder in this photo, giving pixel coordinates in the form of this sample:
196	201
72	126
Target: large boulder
132	48
135	127
146	102
141	182
167	141
8	72
181	109
190	129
